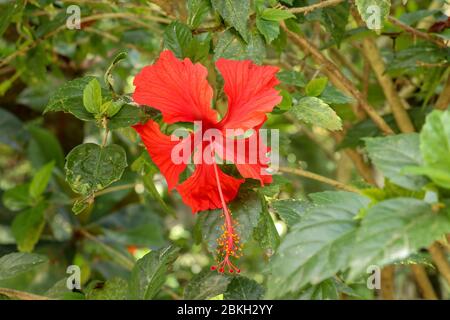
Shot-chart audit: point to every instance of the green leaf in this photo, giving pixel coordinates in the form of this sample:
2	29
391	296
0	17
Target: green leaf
331	95
292	77
12	8
92	96
435	145
266	233
40	180
326	290
108	78
242	288
177	38
90	167
314	111
198	49
127	116
231	46
269	29
316	86
197	9
235	13
16	263
291	210
111	108
12	132
17	198
319	245
394	229
374	12
206	285
392	153
27	227
69	98
286	103
246	210
439	176
273	14
113	289
149	273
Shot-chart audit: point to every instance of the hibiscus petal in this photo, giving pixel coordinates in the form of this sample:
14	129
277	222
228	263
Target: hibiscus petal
250	90
249	156
160	147
178	89
200	190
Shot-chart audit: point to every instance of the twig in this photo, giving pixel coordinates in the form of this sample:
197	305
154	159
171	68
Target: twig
387	283
417	33
444	98
314	176
313	7
440	260
336	74
11	293
424	284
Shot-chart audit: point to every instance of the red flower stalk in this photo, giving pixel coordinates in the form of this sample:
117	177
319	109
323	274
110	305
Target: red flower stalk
179	89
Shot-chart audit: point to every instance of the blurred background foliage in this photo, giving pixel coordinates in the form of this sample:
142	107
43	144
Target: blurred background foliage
136	215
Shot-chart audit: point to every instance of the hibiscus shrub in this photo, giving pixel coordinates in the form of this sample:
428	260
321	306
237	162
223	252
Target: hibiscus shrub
241	149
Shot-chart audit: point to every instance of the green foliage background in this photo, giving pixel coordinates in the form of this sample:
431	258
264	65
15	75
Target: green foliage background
77	187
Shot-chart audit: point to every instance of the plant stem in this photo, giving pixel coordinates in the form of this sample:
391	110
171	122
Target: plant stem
387	283
444	98
440	259
313	7
336	76
373	56
417	33
424	284
11	293
314	176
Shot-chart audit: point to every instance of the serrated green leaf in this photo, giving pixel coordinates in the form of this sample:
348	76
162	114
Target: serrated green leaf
92	96
266	233
393	153
269	29
127	116
319	245
291	210
235	13
231	46
197	9
374	12
90	167
149	273
40	180
435	146
16	263
241	288
177	38
292	77
394	229
316	86
273	14
335	20
314	111
27	227
206	285
69	98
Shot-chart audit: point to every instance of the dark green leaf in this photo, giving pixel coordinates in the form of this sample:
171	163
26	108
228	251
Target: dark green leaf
294	78
27	227
291	210
235	13
394	229
90	167
206	285
177	38
241	288
197	9
15	263
230	46
149	273
314	111
112	289
393	153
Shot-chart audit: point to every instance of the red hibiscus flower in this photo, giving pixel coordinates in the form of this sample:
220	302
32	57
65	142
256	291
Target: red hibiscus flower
180	90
